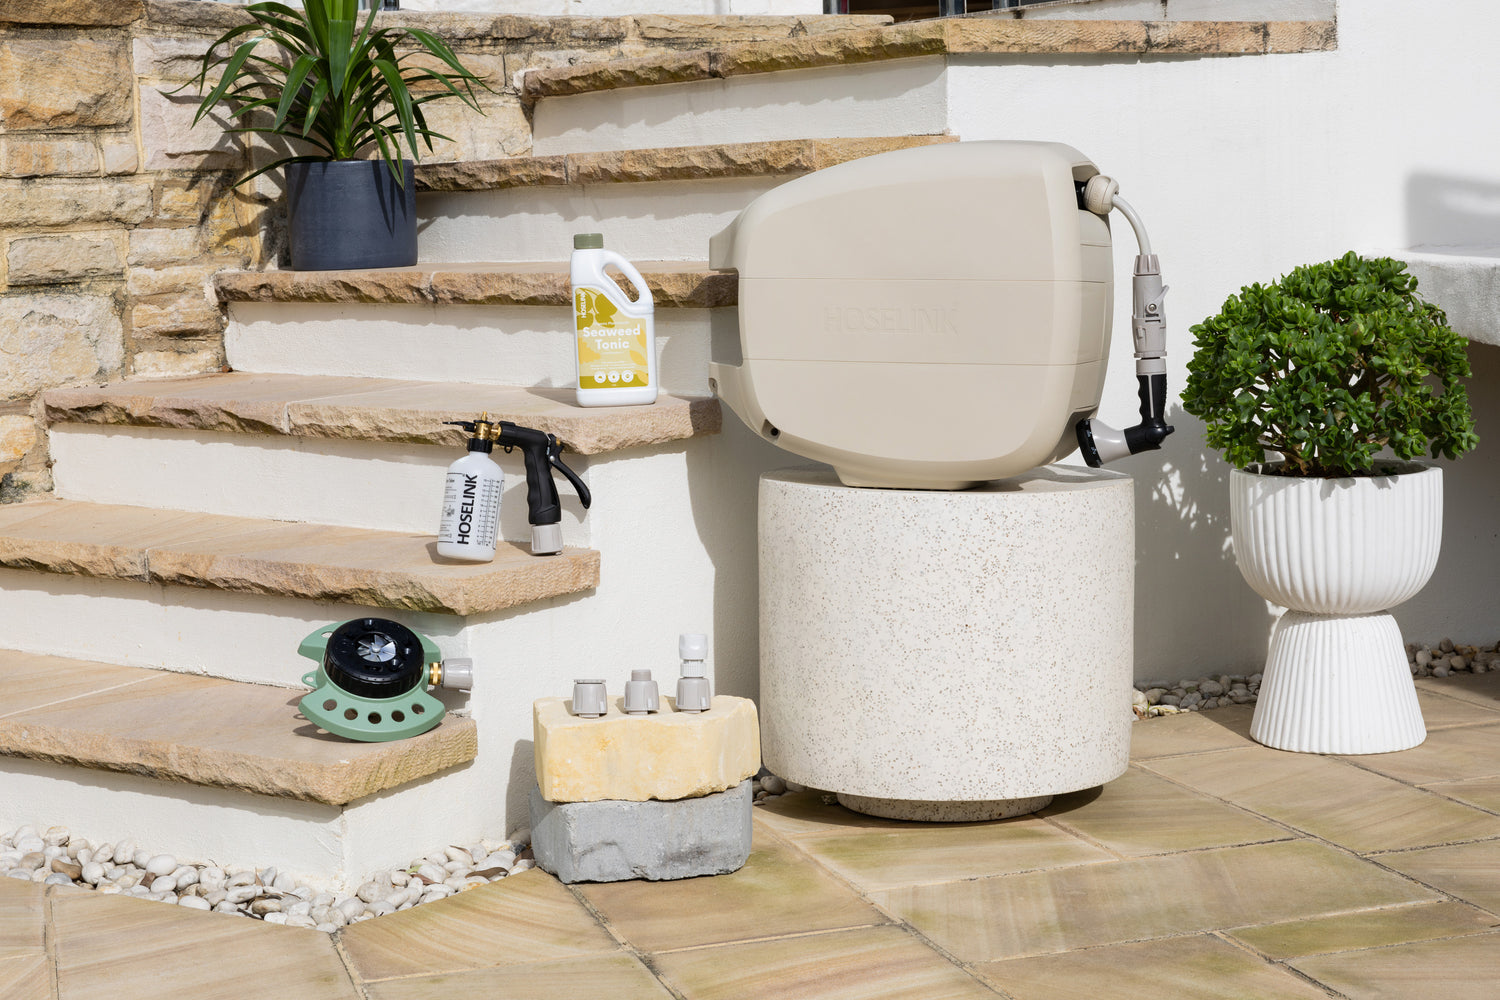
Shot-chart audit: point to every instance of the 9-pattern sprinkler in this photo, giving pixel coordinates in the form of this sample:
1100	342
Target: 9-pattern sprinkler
373	677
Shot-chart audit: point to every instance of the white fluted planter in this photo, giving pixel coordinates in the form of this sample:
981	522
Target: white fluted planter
1338	554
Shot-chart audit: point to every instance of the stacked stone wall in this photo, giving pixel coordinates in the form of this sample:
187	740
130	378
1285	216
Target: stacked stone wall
116	210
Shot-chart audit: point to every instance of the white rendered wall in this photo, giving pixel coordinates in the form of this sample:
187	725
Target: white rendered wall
487	345
667	220
1243	168
889	97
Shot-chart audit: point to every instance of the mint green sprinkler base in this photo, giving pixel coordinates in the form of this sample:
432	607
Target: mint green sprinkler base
369	720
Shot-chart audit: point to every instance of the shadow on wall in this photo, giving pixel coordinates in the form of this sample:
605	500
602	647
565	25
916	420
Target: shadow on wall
1446	211
1194	613
1459	601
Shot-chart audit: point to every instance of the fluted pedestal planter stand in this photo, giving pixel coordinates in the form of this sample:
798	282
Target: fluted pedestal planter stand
1338	554
947	656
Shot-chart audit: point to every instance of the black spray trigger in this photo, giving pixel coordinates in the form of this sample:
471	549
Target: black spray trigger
554	458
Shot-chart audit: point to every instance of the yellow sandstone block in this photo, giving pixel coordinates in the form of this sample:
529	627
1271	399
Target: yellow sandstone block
666	755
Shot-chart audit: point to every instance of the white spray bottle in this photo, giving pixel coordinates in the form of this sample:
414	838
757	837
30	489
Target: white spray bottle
615	342
471	497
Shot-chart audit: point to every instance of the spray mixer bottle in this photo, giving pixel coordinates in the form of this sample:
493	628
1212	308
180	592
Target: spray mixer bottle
541	452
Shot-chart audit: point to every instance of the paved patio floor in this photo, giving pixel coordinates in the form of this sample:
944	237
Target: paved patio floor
1214	868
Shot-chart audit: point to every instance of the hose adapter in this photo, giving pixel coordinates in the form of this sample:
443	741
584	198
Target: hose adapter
1098	441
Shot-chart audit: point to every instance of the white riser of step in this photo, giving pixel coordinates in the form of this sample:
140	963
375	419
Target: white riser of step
244	637
666	220
354	484
891	97
487	345
328	847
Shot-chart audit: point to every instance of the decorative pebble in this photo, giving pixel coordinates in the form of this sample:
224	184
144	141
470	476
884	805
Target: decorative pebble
162	864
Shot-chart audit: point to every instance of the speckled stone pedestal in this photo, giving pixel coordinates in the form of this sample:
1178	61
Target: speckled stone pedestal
947	656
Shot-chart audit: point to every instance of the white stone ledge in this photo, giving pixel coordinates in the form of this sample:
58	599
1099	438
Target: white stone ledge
1465	281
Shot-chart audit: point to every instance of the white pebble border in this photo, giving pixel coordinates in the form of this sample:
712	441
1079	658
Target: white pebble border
1156	698
55	857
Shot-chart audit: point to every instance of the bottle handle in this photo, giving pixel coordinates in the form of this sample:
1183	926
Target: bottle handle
643	293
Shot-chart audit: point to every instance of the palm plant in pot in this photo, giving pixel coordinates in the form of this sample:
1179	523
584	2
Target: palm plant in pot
1349	376
344	91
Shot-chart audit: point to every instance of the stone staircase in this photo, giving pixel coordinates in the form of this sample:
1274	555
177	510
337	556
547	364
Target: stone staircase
202	526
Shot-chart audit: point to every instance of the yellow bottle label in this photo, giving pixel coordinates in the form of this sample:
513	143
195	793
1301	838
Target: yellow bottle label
611	346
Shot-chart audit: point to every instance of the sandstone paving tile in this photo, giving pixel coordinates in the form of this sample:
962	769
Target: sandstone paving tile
1037	913
1191	732
21	917
881	859
1367	929
1481	792
25	977
111	948
1466	968
172	727
1482	690
607	977
886	962
1139	813
1446	755
1200	967
797	814
1469	871
1331	799
777	892
31	680
1441	711
529	917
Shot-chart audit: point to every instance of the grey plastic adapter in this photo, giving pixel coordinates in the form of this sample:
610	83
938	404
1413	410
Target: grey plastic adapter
457	673
694	692
641	695
589	699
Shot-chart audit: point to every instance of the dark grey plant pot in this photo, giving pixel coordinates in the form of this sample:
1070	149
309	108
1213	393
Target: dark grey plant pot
350	214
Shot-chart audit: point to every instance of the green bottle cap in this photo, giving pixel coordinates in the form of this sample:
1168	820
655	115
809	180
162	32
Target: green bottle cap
588	241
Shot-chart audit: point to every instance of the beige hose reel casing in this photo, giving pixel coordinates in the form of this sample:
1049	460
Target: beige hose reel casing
928	318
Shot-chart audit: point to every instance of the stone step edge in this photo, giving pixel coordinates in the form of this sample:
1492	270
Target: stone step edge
673	284
946	36
331	408
355	566
779	158
85	727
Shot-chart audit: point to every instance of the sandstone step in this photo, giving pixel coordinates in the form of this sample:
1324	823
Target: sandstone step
650	203
493	324
783	158
204	731
217	771
863	82
351	452
368	409
308	561
673	284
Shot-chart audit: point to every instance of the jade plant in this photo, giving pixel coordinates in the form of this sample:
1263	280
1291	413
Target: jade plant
315	74
1330	366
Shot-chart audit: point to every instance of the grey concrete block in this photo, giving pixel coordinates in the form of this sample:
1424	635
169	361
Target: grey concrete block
613	840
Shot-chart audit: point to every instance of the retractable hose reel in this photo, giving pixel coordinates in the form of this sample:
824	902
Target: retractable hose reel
372	679
937	317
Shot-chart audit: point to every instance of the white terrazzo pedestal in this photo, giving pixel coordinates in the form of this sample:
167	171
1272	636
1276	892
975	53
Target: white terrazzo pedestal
947	656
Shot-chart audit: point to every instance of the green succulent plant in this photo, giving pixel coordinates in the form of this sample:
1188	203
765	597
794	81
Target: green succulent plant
1330	366
315	74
